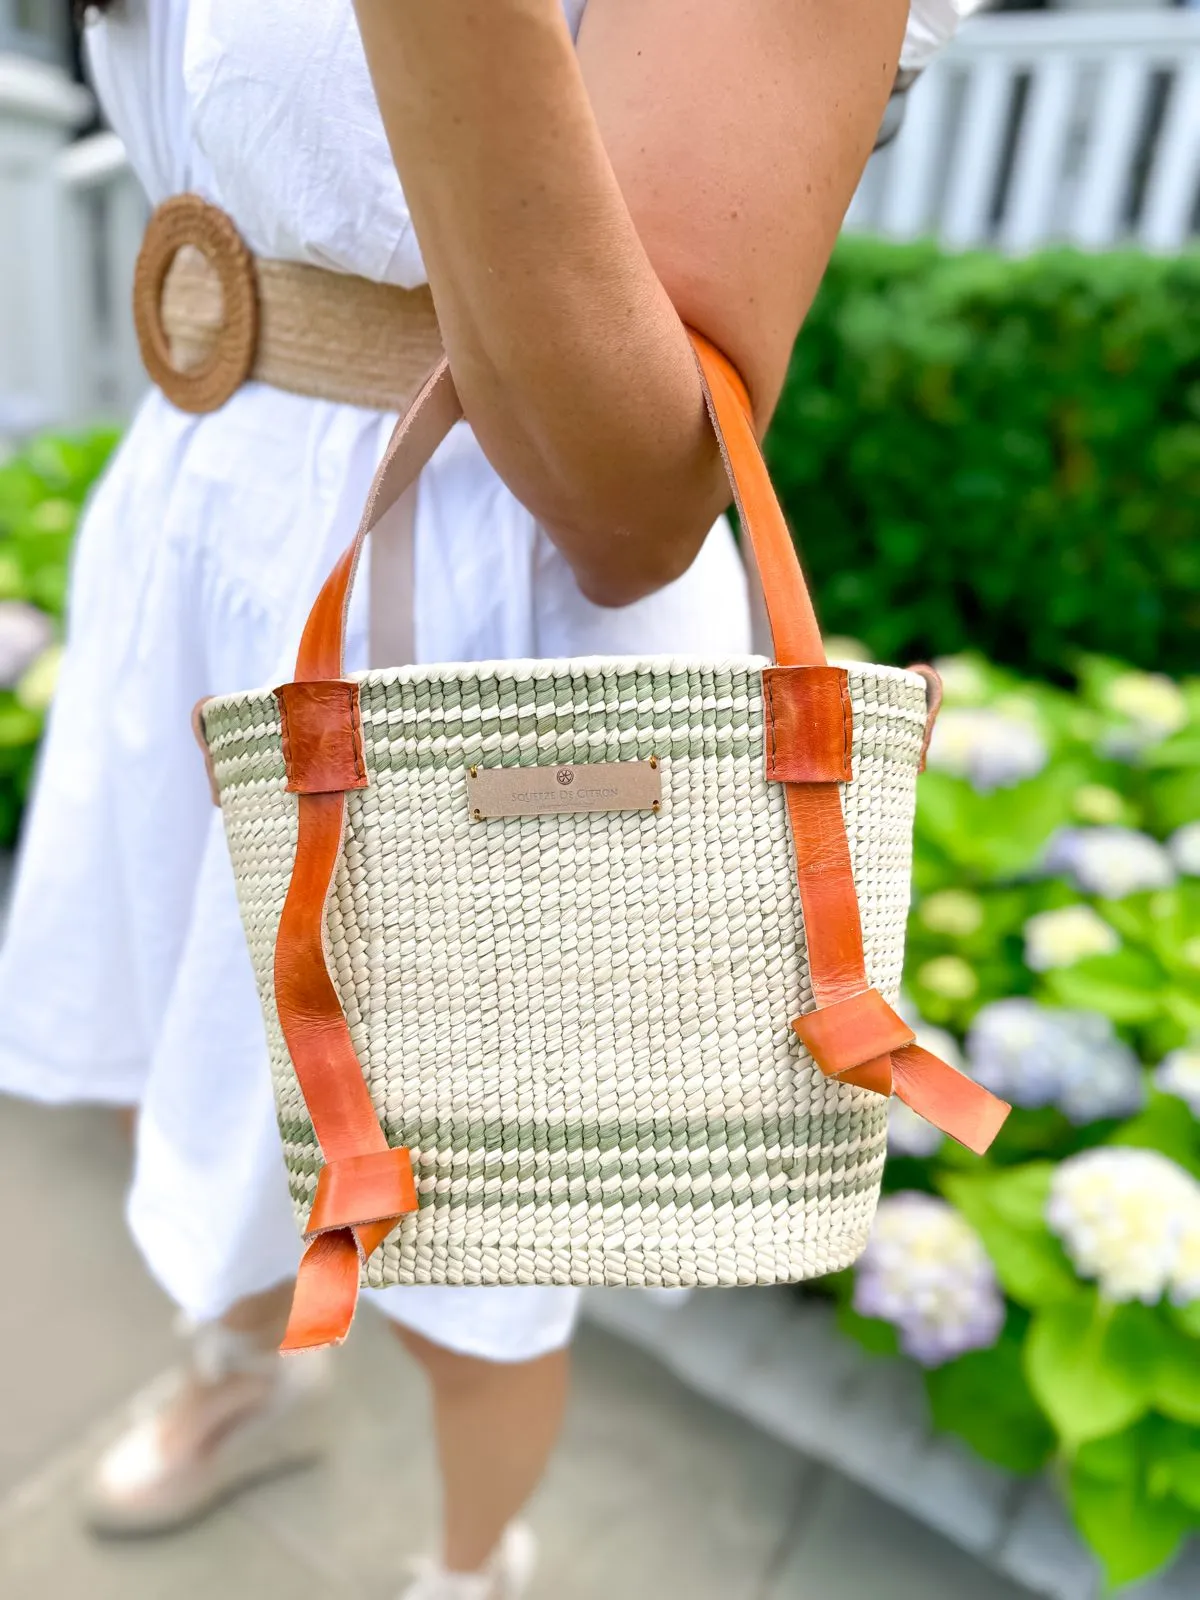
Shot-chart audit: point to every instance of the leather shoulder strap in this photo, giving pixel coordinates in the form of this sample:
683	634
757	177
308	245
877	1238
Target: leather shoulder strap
417	435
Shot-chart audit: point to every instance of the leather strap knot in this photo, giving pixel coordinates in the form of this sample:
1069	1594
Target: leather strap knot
359	1200
863	1042
359	1190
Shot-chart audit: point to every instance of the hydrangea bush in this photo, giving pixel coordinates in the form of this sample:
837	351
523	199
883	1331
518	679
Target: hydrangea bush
1052	1291
41	491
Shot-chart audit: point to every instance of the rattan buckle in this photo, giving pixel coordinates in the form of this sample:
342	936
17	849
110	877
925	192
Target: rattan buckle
188	220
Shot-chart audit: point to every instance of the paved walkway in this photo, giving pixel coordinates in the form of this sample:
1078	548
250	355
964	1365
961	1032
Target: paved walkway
656	1494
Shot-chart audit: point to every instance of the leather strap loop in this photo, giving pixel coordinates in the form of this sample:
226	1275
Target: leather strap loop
808	725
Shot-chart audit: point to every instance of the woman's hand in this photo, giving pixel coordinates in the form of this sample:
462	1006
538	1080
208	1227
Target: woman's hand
693	160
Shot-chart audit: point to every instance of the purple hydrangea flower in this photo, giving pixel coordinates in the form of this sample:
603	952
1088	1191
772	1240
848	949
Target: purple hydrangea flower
988	748
1035	1056
1109	862
925	1271
25	632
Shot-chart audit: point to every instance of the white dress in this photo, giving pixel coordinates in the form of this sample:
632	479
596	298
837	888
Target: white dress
125	976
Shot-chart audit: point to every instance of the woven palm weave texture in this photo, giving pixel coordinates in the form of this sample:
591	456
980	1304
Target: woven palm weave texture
580	1024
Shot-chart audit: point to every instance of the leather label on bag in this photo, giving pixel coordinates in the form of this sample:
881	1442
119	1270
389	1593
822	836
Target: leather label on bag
561	790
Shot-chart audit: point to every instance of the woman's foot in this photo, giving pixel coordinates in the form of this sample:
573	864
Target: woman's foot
506	1577
234	1414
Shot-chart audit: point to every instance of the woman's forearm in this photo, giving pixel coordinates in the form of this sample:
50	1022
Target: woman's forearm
572	364
694	154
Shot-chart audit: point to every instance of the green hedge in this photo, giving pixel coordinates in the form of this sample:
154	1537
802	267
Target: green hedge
42	490
1002	456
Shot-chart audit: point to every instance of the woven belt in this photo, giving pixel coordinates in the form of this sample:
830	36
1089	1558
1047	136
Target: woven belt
210	316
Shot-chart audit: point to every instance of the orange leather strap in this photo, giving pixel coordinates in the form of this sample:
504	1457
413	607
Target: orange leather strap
846	1005
852	1034
324	751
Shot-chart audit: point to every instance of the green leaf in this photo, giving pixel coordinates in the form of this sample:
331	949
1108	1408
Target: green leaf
1188	1318
1021	1196
1125	986
1176	1391
1166	1125
1007	1209
1115	1458
1078	1363
1174	799
999	835
1133	1533
18	725
1176	1471
984	1399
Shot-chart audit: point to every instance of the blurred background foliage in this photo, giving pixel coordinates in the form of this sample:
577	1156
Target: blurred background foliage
42	490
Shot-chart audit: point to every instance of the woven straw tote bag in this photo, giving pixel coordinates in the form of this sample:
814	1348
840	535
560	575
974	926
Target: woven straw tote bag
582	972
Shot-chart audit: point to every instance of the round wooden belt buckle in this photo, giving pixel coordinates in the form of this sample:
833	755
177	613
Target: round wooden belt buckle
188	220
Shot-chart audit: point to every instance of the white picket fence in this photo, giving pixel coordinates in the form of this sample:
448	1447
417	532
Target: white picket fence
1078	126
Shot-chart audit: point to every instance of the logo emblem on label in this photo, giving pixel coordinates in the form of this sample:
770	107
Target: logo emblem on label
542	791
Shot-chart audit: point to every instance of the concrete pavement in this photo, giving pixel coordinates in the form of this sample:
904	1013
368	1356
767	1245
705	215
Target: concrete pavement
655	1494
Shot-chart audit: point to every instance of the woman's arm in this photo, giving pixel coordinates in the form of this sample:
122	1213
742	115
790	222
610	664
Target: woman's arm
693	160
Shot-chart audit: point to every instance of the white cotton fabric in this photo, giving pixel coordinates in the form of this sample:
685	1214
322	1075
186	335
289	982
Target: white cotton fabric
125	976
931	26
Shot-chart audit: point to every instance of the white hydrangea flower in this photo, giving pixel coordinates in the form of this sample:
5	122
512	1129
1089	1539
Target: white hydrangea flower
843	647
1184	849
925	1271
1109	862
1061	938
1185	1280
24	633
957	912
1153	702
36	688
963	680
1097	803
1179	1074
1128	1218
989	749
948	976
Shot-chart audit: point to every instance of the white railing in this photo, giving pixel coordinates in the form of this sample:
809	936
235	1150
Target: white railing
1080	127
105	213
1043	127
71	217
